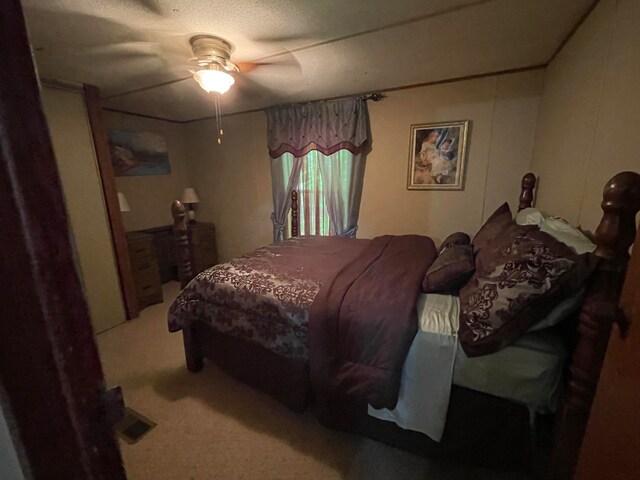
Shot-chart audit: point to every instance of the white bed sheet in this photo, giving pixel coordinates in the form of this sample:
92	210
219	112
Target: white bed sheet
528	372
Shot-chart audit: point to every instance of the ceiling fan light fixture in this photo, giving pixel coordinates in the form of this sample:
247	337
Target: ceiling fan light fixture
213	80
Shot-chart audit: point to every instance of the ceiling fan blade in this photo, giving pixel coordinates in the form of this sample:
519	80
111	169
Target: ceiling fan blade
283	38
151	6
250	89
282	60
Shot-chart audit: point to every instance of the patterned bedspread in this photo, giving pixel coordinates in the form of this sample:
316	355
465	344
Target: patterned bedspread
265	295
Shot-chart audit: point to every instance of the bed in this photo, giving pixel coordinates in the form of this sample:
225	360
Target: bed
261	336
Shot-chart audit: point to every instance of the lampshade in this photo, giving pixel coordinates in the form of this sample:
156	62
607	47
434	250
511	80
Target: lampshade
213	80
122	201
189	196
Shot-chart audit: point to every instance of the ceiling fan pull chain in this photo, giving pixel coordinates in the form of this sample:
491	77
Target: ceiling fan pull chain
216	104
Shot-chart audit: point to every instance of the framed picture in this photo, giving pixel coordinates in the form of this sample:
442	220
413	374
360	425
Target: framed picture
138	153
437	156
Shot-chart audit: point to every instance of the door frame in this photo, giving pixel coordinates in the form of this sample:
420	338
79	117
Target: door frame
110	193
52	380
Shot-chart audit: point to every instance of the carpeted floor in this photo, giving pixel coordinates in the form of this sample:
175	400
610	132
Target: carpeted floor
211	426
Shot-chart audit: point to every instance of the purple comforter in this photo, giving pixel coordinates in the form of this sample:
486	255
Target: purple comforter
364	319
264	297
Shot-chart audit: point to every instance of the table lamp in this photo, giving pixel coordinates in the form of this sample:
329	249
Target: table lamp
190	200
122	201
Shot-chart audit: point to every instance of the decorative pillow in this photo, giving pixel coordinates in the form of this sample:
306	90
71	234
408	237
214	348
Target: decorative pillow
492	228
517	282
450	271
458	238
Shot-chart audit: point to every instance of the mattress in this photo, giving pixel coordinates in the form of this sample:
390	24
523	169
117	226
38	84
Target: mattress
528	372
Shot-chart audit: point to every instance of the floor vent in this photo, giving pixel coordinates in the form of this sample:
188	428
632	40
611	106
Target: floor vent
133	426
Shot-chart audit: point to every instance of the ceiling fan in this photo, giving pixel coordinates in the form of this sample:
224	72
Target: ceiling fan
215	72
212	62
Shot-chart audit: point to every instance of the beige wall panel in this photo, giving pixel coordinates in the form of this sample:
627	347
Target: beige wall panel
616	141
233	181
387	206
82	188
150	196
512	136
568	115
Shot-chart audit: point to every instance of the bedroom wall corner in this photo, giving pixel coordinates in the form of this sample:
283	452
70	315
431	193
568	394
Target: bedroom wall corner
73	146
150	196
590	110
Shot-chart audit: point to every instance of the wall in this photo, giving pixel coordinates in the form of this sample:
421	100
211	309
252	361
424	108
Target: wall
503	111
10	468
150	196
73	147
589	114
234	181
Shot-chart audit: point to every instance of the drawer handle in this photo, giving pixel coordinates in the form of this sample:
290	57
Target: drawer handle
147	287
144	266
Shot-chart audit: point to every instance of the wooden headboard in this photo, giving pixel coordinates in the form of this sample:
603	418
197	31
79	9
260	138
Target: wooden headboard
600	310
614	236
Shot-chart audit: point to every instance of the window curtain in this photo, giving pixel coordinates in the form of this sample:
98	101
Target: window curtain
339	132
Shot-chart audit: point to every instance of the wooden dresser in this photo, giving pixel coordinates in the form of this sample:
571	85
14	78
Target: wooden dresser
144	268
204	252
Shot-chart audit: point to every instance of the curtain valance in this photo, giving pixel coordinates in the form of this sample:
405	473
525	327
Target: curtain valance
326	126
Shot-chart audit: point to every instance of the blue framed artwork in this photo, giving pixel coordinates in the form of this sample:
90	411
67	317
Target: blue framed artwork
138	153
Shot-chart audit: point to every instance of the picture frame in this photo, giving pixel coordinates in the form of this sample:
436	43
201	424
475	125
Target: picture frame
138	153
438	155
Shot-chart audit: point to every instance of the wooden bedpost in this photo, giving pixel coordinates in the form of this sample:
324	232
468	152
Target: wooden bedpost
294	213
526	194
614	235
181	237
192	352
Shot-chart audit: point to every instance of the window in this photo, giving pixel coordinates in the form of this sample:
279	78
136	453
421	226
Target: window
312	202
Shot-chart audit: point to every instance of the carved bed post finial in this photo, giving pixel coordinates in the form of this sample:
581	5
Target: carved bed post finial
294	213
181	237
526	194
620	204
600	309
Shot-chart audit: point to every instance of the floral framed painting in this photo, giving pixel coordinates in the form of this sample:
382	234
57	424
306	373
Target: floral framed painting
437	156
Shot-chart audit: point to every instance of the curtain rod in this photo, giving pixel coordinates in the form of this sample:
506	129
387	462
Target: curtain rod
376	96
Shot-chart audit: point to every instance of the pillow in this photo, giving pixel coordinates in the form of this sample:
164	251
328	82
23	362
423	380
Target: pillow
458	238
560	229
450	271
516	283
491	230
529	216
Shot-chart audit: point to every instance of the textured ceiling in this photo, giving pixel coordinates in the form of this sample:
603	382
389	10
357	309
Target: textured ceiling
319	48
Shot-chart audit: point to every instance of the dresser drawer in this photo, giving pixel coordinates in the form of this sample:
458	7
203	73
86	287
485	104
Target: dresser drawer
144	264
202	234
144	269
140	248
148	287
